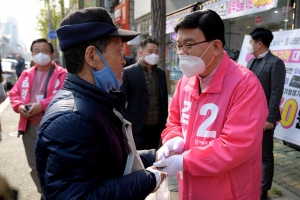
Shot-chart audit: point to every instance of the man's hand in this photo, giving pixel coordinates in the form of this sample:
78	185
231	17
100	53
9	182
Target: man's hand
23	112
160	176
268	126
35	109
175	144
170	165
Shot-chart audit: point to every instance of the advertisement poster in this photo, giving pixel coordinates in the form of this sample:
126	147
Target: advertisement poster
173	64
237	8
285	45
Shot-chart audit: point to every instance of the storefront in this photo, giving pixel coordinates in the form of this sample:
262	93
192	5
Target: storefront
241	17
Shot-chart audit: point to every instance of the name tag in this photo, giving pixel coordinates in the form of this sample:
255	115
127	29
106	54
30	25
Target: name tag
39	97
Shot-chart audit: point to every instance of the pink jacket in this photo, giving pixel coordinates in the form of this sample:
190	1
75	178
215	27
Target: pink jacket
222	129
20	93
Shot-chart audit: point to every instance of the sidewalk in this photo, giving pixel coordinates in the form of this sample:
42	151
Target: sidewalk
286	174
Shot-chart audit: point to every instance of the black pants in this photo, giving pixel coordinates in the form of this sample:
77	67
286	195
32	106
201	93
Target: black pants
149	137
267	160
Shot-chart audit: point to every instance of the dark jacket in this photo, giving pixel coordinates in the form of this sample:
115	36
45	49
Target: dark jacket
20	66
271	74
129	61
134	85
80	150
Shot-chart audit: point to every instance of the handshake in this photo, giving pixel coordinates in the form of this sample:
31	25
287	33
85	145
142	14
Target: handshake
169	157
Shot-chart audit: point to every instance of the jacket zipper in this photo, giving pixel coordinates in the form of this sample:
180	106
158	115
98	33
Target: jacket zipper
197	102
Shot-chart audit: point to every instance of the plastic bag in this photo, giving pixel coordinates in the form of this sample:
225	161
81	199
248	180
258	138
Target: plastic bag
162	193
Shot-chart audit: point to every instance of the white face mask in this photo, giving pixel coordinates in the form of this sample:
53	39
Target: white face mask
41	59
250	49
192	65
151	59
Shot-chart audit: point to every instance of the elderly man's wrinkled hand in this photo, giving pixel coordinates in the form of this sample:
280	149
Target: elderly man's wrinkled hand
160	176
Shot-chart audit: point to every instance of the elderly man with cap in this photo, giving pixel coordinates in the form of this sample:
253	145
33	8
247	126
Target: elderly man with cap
81	152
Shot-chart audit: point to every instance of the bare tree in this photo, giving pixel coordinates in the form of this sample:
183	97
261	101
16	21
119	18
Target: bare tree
158	10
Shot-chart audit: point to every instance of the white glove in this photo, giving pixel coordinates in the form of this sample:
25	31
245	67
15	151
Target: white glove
170	165
175	144
157	176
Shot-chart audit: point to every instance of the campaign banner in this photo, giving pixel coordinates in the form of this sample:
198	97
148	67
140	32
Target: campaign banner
285	45
237	8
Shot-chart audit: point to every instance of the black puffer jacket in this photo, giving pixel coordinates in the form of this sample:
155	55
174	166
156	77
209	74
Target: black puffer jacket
80	151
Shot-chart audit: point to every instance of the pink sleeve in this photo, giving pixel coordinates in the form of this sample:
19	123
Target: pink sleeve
15	94
240	138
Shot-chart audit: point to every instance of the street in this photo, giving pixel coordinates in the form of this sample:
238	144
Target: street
13	164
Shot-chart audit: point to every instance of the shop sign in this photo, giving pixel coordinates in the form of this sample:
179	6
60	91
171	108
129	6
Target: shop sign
145	26
121	13
258	20
237	8
285	45
171	22
173	37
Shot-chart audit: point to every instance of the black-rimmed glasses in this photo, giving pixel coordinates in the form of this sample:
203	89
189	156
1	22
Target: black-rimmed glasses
185	47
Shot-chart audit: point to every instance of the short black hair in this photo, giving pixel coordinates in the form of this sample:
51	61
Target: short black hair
74	57
208	21
262	34
149	40
42	40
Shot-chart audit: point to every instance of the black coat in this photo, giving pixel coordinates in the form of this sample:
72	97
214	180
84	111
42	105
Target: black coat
80	151
134	85
271	74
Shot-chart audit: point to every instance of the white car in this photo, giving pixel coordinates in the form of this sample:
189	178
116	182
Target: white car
9	70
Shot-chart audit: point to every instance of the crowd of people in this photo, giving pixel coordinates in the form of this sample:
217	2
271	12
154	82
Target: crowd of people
216	133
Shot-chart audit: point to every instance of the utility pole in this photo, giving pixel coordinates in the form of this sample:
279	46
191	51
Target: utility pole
158	11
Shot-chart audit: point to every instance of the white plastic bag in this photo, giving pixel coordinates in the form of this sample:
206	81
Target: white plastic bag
162	193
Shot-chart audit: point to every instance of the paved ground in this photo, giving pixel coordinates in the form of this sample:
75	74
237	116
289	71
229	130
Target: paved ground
13	165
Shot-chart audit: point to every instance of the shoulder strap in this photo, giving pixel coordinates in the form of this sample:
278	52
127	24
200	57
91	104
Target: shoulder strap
47	80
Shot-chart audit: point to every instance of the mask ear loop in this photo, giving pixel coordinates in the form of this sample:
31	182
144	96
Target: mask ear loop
204	53
206	49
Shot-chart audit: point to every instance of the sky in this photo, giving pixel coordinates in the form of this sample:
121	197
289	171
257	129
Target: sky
25	12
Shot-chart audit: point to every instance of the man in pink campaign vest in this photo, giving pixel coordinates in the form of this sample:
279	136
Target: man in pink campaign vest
31	95
213	137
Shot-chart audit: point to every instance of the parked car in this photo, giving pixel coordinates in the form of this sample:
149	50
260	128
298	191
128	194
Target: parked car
9	70
4	82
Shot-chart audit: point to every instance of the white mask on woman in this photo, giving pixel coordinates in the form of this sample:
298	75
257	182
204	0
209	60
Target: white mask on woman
193	65
41	59
151	59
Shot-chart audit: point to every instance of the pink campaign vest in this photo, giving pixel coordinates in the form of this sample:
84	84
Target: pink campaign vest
20	93
222	129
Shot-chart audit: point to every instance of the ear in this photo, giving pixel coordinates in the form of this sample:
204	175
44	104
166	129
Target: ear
90	56
141	52
52	56
217	47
